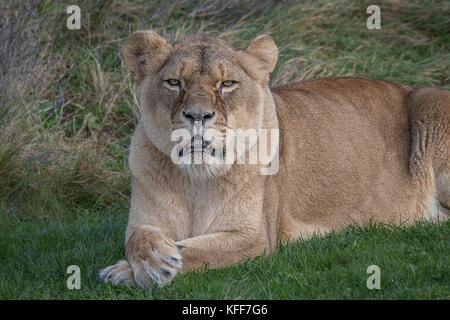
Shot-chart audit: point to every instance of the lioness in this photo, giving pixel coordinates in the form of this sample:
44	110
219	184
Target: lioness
348	150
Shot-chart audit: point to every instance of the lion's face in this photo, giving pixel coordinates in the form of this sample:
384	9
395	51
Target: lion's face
202	86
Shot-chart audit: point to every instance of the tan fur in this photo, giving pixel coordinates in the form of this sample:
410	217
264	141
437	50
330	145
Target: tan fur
350	150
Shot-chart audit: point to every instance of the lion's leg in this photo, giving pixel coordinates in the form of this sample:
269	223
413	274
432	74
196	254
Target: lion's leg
443	190
430	155
219	249
291	229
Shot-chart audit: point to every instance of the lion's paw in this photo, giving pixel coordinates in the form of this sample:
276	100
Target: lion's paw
118	274
153	257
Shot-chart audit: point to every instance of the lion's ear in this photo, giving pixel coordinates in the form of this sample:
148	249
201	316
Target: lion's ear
265	51
145	52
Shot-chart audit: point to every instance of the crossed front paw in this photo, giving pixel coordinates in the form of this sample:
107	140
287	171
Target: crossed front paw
153	257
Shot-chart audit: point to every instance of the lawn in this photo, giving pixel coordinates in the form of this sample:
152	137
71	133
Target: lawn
68	109
413	264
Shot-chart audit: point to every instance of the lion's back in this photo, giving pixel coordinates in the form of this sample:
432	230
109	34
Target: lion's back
344	148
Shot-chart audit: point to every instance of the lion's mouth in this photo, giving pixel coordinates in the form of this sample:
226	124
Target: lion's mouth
199	145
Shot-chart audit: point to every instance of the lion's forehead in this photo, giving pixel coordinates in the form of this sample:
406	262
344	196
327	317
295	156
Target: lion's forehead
202	42
204	58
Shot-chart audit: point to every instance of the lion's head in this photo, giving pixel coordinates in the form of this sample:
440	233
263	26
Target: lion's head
199	81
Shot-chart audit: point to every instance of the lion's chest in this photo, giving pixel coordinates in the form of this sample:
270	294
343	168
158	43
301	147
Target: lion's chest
208	210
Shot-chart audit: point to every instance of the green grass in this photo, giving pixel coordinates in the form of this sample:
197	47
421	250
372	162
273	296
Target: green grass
68	109
414	264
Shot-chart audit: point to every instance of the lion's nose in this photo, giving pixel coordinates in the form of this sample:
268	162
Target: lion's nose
198	115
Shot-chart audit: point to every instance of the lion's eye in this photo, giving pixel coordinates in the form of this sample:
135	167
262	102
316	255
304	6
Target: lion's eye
228	83
173	82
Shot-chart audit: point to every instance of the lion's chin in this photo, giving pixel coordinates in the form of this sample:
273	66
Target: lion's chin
202	164
202	172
